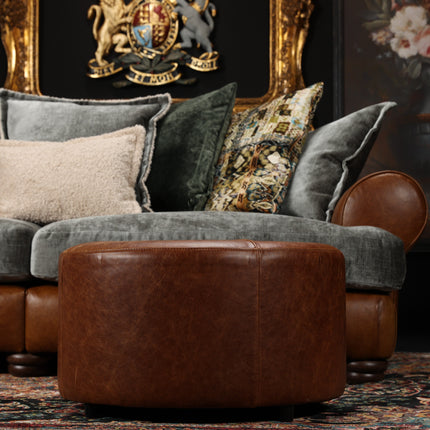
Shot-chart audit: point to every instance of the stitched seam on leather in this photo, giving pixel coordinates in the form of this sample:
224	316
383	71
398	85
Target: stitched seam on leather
379	307
259	357
254	246
142	250
60	314
201	250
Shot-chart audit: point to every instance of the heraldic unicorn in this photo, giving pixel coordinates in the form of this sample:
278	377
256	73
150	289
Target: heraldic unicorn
150	39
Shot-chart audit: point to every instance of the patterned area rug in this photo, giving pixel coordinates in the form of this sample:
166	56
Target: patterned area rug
401	401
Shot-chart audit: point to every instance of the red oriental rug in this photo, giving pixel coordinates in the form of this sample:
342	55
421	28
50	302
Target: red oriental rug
401	401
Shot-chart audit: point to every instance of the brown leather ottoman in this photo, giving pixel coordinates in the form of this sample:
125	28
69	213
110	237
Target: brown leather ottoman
201	324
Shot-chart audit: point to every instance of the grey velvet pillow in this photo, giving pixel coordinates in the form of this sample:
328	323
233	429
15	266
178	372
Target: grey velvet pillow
44	118
187	147
331	161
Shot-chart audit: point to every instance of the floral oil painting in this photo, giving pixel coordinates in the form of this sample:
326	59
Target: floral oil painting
386	56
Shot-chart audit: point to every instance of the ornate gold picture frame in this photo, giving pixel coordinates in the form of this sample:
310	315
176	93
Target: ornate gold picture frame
289	22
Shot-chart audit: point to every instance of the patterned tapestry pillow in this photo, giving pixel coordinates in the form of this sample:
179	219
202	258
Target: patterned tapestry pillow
261	151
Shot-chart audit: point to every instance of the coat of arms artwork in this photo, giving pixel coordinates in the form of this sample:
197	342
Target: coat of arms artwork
152	41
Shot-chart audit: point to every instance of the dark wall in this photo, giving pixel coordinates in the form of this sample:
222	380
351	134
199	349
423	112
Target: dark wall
318	58
414	299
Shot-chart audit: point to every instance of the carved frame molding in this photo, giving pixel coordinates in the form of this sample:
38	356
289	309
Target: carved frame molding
19	22
289	23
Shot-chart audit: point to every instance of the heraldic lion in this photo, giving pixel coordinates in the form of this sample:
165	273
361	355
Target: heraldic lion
110	32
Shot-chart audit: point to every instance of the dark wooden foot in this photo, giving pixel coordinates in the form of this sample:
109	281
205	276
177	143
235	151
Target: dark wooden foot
359	372
25	364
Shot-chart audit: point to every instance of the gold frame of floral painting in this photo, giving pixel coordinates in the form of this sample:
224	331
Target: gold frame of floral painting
289	23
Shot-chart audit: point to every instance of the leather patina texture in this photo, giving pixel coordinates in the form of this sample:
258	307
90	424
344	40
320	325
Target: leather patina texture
197	324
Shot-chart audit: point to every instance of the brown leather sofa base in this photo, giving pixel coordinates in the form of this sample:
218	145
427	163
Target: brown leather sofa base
12	318
371	331
199	324
41	322
32	312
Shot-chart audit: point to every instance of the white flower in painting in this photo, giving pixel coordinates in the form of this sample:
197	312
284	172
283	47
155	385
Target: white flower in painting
409	19
382	37
404	45
407	34
422	41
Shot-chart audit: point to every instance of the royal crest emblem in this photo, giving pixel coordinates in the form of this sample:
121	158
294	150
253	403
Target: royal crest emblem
149	40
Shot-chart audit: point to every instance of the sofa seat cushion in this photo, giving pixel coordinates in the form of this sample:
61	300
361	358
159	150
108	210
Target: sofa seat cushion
15	249
374	257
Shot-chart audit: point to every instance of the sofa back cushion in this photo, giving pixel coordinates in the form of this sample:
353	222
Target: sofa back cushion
332	159
187	146
44	118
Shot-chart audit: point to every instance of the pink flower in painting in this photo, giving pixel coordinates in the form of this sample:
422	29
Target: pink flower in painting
403	45
422	42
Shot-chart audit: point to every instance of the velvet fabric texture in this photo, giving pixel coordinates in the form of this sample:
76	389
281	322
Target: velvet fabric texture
374	257
187	147
45	118
15	249
43	182
337	153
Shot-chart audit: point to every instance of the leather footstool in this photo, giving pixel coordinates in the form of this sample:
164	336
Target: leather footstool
201	324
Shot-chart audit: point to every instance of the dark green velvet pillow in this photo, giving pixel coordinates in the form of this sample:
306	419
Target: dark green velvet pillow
187	146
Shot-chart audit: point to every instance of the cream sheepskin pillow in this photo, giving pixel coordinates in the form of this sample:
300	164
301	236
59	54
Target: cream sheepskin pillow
43	182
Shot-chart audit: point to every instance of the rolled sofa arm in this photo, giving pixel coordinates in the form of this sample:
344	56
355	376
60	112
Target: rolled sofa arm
388	199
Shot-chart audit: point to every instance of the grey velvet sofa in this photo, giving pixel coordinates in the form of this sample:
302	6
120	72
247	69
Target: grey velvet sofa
371	224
